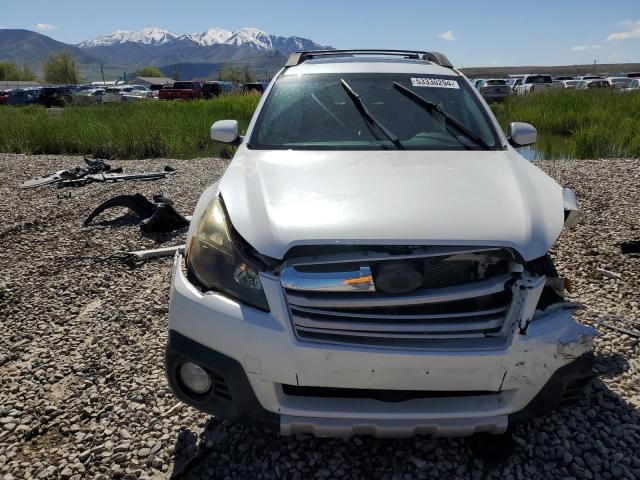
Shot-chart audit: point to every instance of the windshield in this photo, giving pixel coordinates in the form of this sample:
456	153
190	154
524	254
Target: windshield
315	112
184	86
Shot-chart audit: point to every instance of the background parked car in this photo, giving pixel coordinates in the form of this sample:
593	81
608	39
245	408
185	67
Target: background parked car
88	95
589	84
135	93
55	96
619	82
112	95
534	83
253	87
635	85
494	89
216	88
514	83
182	91
571	84
21	96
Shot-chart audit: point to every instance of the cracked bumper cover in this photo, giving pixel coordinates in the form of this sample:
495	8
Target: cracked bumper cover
254	353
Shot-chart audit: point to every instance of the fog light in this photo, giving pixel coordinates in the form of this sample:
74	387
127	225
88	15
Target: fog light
194	377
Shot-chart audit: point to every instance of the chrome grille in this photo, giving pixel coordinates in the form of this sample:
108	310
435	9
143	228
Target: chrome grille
453	303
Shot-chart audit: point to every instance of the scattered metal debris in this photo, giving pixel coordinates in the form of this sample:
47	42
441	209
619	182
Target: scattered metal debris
95	171
608	273
93	167
116	177
631	333
136	258
157	216
627	248
142	255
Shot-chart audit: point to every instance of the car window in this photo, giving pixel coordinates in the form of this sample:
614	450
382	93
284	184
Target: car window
315	112
539	79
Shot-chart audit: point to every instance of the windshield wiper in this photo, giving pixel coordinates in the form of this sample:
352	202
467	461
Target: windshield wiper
364	111
432	107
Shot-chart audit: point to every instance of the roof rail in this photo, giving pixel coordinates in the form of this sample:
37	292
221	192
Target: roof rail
435	57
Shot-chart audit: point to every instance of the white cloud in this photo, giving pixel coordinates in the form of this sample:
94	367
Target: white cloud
448	36
632	31
582	48
45	27
630	24
496	62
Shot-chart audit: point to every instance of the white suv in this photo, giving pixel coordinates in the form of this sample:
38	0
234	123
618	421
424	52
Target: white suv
374	261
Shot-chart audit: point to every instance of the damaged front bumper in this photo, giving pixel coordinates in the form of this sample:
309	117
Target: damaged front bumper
262	371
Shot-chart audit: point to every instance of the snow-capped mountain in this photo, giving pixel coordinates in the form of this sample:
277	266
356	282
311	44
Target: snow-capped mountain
146	36
211	36
252	38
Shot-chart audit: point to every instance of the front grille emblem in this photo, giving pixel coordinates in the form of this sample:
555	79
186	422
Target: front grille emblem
397	277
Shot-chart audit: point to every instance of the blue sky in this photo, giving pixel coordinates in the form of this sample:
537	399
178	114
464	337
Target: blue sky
470	33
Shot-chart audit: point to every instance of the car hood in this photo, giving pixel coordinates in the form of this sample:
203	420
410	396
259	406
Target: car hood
279	199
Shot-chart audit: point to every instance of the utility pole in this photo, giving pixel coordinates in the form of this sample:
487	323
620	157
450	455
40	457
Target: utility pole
102	72
594	65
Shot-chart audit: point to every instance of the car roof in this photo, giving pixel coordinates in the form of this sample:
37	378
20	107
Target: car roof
369	64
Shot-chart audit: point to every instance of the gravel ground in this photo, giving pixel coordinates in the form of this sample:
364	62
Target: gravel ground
82	387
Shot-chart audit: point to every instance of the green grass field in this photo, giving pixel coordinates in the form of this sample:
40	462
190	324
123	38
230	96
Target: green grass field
136	130
579	124
591	124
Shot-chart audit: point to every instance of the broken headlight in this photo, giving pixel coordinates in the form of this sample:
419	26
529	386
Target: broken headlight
216	259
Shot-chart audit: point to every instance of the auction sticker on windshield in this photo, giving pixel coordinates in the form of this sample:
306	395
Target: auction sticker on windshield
434	82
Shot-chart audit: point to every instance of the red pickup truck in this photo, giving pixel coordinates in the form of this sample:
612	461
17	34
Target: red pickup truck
182	91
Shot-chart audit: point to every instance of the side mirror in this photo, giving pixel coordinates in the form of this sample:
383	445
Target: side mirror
521	134
226	131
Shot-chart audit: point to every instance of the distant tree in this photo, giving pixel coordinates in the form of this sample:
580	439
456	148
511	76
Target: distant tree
61	68
149	71
239	74
10	71
27	74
